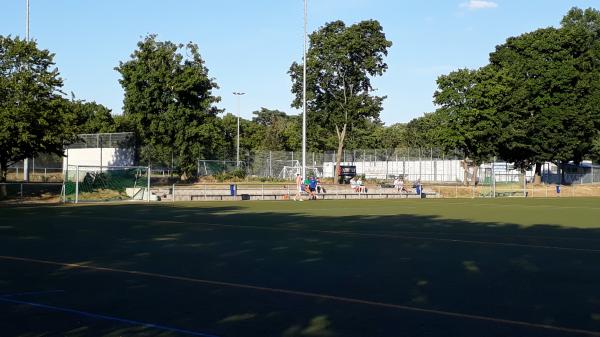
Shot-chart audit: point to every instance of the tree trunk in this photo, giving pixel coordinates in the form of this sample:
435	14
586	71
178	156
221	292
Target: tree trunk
3	173
538	174
475	174
338	159
465	166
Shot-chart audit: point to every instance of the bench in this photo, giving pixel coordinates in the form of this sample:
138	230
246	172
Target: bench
285	196
502	194
227	197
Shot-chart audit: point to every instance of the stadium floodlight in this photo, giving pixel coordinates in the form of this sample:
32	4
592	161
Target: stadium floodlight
27	21
304	97
237	158
26	160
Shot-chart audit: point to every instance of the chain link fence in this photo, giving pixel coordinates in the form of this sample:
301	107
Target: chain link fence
431	166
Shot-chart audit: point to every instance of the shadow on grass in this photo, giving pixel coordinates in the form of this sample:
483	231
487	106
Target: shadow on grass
543	274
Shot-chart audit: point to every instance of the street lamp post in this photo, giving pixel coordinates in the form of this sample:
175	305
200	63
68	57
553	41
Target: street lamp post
237	157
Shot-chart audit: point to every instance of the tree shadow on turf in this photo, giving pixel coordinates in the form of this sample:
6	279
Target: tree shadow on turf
542	274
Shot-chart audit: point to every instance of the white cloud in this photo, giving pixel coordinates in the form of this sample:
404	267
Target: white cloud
479	4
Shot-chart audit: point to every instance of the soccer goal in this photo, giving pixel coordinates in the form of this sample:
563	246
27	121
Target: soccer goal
106	183
289	172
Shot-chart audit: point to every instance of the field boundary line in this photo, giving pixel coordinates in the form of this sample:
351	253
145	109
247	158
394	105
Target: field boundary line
32	293
308	295
105	317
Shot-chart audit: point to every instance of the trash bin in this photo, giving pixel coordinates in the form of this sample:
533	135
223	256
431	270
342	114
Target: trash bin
557	189
418	189
233	190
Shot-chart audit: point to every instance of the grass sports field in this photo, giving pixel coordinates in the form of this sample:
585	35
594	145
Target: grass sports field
511	267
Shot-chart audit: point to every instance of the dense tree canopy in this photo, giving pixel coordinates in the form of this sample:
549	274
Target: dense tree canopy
33	116
92	117
169	100
340	63
538	100
547	113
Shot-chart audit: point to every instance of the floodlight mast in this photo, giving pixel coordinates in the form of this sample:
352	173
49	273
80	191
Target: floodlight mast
237	158
26	160
27	22
304	97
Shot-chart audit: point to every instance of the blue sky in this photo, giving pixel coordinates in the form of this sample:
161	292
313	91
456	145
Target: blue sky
249	45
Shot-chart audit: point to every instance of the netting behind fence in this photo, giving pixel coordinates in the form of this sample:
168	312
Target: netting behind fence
94	183
44	192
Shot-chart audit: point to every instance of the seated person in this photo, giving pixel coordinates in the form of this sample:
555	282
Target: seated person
354	184
306	186
312	187
398	184
361	188
320	188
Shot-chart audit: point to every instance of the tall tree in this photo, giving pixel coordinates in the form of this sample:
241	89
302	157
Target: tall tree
92	117
392	137
169	98
278	131
552	112
33	116
340	63
467	118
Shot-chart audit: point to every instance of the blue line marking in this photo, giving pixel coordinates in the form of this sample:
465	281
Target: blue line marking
107	318
33	293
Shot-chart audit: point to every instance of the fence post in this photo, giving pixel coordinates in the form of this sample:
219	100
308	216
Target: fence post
525	183
205	196
262	191
21	191
77	184
148	187
173	194
494	178
420	172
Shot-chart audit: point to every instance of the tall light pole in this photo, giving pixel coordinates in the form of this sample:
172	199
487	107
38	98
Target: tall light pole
304	96
27	22
26	161
237	157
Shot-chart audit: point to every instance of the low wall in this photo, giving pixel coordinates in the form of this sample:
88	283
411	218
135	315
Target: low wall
275	192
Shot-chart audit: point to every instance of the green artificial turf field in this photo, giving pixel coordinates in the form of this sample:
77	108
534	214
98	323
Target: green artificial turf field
510	267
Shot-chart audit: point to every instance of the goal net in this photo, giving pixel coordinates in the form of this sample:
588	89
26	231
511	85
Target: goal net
108	183
289	172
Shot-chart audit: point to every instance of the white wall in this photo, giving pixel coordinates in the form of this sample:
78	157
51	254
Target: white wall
425	170
91	157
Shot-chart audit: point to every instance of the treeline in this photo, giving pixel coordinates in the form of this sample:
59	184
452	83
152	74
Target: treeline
538	99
